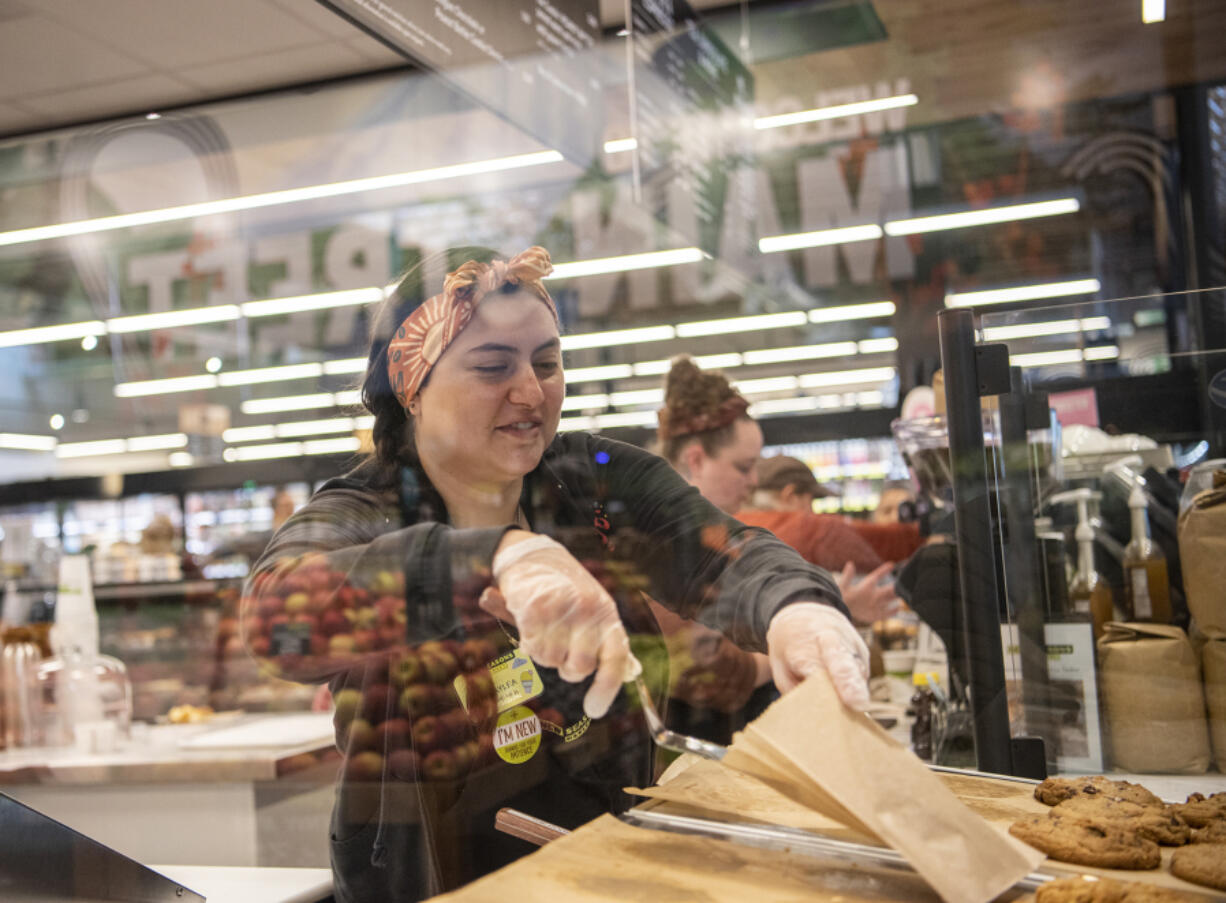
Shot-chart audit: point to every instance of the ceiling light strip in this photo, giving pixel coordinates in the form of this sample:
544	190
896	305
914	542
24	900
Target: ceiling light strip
982	217
1047	328
42	334
838	111
818	239
165	386
274	198
1017	293
626	262
27	442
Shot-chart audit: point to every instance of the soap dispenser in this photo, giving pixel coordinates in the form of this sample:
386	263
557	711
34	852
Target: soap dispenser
1147	589
1090	596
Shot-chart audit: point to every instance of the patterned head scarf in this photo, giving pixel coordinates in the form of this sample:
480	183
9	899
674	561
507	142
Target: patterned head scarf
425	333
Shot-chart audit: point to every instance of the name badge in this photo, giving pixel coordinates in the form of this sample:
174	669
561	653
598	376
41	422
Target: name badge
515	679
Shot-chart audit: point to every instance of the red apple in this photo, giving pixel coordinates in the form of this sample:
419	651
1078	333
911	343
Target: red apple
407	669
441	667
375	702
364	766
332	622
259	646
404	764
417	700
361	735
270	603
439	765
392	735
364	639
427	733
341	646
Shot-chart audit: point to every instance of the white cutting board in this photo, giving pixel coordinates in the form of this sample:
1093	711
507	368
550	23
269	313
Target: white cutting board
271	732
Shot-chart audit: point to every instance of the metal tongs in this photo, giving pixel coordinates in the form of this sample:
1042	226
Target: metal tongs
655	724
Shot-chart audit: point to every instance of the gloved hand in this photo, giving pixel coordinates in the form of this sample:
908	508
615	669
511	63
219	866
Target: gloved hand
565	618
805	636
865	598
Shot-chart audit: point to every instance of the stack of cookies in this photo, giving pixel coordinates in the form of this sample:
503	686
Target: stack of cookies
1115	824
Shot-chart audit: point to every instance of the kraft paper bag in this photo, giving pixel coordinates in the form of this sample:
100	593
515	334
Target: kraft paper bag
1213	665
813	748
1202	552
1153	698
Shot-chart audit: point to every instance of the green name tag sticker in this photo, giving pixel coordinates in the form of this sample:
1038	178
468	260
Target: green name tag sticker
515	679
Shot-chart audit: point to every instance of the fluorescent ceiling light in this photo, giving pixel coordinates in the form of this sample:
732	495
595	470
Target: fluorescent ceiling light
705	361
348	297
365	422
346	365
1153	11
1023	293
27	442
87	449
263	452
1067	356
799	353
585	402
742	324
314	427
40	334
288	403
820	238
847	377
839	111
157	443
348	397
1102	353
180	459
637	396
877	346
626	262
332	446
630	418
618	145
567	424
274	198
846	312
982	217
783	405
169	319
249	433
165	386
867	399
1050	327
618	337
767	384
598	374
269	374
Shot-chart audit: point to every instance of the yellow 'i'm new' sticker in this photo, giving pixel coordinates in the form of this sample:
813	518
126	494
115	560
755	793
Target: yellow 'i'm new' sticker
517	736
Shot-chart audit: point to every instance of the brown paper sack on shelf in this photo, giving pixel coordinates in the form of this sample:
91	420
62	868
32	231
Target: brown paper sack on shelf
811	747
1154	701
1213	665
1202	552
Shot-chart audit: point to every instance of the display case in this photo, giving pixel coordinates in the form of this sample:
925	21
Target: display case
1088	618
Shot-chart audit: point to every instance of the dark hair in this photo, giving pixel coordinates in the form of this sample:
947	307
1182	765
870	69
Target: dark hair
693	397
392	434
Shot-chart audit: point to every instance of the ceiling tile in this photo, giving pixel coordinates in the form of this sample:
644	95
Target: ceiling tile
39	55
175	33
272	70
319	17
15	120
376	52
117	98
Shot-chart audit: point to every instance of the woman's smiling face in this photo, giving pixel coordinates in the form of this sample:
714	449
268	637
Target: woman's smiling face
491	405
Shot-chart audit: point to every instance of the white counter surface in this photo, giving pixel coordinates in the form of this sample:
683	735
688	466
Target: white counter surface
225	884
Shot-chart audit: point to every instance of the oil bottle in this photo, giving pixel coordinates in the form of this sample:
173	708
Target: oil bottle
1147	589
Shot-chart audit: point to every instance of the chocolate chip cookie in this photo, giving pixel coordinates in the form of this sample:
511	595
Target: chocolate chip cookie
1080	890
1159	825
1201	863
1105	890
1085	842
1200	811
1214	832
1057	790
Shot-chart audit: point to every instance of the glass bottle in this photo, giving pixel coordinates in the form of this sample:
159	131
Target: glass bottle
1089	594
1147	589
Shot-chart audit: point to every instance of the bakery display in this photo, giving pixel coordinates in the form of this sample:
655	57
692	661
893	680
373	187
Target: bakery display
1084	842
1057	790
1162	826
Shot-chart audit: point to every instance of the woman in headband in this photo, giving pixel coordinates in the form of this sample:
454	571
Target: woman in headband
473	591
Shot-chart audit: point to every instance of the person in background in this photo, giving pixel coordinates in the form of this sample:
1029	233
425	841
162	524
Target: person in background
470	590
893	495
782	502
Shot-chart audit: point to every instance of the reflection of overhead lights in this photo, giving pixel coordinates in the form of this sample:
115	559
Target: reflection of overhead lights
249	434
1067	356
1153	11
847	377
742	324
820	238
27	442
846	312
1049	327
346	365
984	216
799	353
623	32
156	443
348	397
1023	293
620	145
598	374
213	364
271	307
567	424
88	449
767	384
593	402
626	262
180	459
263	452
153	116
89	343
637	396
630	418
218	313
859	108
877	346
57	421
165	386
314	427
783	406
274	198
288	403
705	361
40	334
270	374
332	446
618	337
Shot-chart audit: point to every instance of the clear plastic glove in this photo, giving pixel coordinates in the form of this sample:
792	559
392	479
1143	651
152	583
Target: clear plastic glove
806	636
867	599
565	618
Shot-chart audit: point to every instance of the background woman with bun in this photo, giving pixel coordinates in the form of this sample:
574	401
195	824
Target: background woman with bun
469	590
